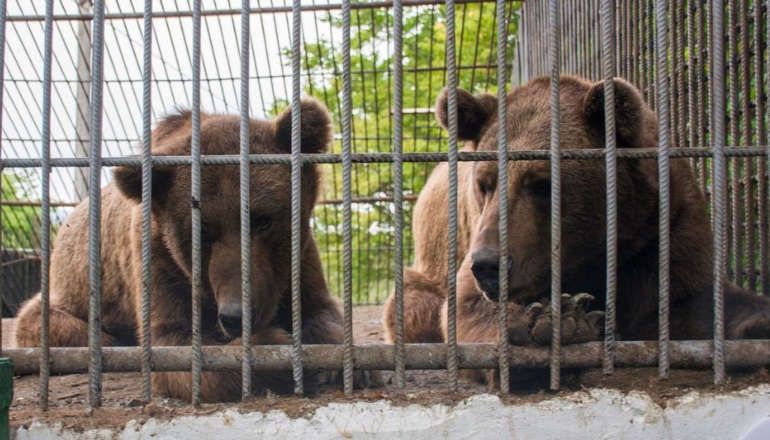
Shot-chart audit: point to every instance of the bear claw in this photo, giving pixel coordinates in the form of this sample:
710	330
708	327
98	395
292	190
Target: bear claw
577	323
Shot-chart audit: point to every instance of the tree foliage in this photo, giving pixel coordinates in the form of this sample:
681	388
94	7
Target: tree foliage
424	75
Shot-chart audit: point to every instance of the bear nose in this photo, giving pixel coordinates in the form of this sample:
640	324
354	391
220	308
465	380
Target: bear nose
230	319
486	267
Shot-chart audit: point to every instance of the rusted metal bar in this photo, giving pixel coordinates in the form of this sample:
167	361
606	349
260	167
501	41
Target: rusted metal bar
463	156
682	354
257	10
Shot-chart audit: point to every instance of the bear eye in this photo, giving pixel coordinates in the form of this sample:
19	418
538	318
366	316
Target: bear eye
538	186
209	234
260	223
485	186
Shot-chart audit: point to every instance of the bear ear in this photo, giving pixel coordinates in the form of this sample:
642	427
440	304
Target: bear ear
473	112
629	112
128	180
315	127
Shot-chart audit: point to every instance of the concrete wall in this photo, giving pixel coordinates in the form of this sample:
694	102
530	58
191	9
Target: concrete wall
596	414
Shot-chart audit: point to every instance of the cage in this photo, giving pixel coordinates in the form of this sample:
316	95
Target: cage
111	70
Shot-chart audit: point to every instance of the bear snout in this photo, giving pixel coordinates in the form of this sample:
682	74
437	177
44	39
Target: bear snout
230	319
486	267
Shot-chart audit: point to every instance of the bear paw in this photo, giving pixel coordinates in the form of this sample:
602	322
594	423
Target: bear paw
577	323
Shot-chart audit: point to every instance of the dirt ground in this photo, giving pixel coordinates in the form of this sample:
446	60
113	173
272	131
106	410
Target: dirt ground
122	391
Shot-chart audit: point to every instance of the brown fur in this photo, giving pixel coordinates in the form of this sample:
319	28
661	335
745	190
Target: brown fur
583	226
171	253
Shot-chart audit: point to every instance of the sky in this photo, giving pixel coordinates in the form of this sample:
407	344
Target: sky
123	49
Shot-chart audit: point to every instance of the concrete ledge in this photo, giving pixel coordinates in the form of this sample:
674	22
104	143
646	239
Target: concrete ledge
598	413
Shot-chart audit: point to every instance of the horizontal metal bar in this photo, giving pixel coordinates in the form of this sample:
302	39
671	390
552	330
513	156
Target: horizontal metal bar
464	156
259	10
682	354
36	203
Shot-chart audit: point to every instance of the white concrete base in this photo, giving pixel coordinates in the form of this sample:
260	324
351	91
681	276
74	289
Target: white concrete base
597	414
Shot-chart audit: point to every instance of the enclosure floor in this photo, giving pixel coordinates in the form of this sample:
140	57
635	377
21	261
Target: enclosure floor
122	391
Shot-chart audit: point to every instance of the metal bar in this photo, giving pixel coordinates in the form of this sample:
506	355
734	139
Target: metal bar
502	185
45	208
664	185
3	10
257	10
451	66
610	139
462	156
680	66
683	354
398	123
693	91
718	182
746	233
761	138
245	206
554	29
347	215
146	338
765	202
296	200
706	98
195	170
94	211
734	266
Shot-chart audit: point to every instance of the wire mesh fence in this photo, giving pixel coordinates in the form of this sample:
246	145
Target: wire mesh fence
270	74
109	73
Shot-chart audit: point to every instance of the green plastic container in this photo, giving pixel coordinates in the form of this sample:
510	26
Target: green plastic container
6	396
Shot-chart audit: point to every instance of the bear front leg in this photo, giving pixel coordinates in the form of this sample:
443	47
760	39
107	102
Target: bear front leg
747	315
423	299
323	325
222	386
64	329
477	321
577	323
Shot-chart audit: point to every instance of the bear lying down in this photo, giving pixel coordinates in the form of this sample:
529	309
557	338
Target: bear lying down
747	315
171	254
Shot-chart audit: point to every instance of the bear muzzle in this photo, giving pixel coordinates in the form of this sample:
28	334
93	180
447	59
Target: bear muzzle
486	268
230	315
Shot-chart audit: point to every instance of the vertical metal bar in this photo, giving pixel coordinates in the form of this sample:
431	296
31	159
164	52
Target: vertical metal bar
664	185
347	217
147	202
735	268
45	207
760	140
639	45
3	11
651	53
747	237
195	170
296	200
680	67
706	98
554	30
452	221
398	96
766	198
245	206
763	138
610	139
502	179
672	74
82	97
94	211
693	90
719	182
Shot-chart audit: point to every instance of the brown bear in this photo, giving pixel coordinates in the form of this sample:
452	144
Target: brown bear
583	230
270	201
